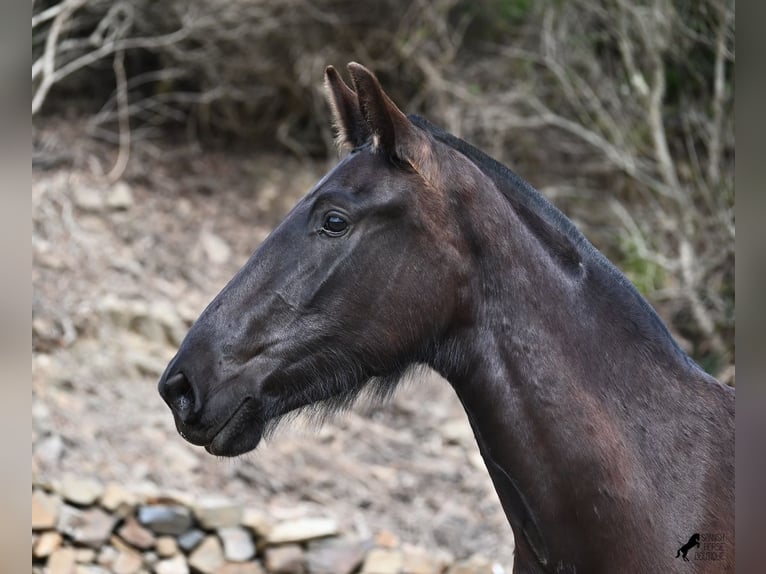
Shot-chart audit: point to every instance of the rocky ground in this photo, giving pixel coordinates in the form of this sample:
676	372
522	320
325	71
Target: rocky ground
122	269
83	527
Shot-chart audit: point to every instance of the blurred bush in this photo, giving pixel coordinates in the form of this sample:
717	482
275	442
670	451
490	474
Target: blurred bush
620	111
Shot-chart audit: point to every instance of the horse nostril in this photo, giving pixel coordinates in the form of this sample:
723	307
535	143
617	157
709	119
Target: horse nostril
179	395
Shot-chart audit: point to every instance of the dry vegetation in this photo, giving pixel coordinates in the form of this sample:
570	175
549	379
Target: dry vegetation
621	112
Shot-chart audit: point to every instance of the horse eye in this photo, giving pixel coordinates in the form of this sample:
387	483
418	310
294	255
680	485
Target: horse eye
334	225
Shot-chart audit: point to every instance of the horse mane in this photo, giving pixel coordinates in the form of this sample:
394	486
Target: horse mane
555	230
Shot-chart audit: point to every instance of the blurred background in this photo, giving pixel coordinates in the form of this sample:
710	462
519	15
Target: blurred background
170	137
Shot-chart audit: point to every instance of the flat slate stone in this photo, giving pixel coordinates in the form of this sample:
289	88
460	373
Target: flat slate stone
176	565
45	510
117	499
301	530
189	540
473	565
127	563
81	491
208	556
90	527
62	561
286	559
166	546
336	556
241	568
383	561
47	544
215	513
238	545
136	535
85	555
418	560
106	556
165	519
256	521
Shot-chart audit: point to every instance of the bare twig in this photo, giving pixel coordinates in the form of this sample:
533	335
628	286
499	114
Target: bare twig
719	91
47	14
51	77
124	120
47	64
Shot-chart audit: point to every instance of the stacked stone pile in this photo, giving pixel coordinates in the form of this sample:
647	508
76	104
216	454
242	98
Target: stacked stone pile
80	526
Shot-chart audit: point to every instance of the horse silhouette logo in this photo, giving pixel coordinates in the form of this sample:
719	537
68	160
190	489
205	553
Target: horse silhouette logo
693	541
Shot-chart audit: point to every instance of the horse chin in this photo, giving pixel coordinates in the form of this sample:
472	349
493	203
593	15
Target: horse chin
239	435
231	446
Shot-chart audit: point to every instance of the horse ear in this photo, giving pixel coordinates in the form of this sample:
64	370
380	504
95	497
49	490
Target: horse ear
347	117
390	128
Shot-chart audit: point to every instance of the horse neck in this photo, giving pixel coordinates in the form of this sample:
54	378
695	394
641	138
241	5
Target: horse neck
564	385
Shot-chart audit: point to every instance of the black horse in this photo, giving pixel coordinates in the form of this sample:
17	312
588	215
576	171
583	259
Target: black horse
684	550
602	437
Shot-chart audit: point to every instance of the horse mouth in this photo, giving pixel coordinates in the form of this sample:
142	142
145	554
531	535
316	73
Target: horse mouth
241	433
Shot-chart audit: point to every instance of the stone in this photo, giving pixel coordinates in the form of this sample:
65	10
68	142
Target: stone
165	519
237	543
48	543
336	556
90	569
62	561
136	535
50	449
45	510
117	499
301	530
188	541
214	512
164	314
120	196
241	568
90	527
383	561
44	257
216	249
85	555
127	563
157	322
81	491
106	556
88	198
145	362
148	490
120	545
386	539
176	496
256	521
41	412
286	559
150	558
476	460
166	546
208	556
473	565
175	565
416	560
47	333
457	431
